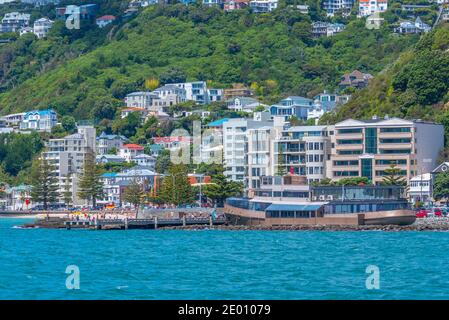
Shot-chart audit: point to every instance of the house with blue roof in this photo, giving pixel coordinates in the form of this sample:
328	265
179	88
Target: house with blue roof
292	106
40	120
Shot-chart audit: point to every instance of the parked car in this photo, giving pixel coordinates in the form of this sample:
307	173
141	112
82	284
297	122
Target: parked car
422	214
437	212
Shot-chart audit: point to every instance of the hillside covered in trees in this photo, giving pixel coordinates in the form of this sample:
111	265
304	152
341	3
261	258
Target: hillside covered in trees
87	72
416	86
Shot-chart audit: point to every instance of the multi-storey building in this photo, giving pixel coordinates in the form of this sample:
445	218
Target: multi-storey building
303	151
14	21
195	91
368	148
326	29
109	142
130	150
68	154
292	106
40	120
230	5
41	27
334	6
140	99
166	96
214	95
263	6
39	3
369	7
235	143
213	3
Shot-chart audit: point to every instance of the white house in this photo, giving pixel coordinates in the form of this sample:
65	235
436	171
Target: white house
130	151
421	189
40	120
41	27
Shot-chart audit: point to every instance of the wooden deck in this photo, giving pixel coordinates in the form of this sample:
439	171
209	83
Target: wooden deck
141	223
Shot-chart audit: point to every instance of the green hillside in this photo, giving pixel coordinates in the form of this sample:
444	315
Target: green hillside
273	52
416	86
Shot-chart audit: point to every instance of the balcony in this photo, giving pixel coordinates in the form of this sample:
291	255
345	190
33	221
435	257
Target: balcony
394	135
349	146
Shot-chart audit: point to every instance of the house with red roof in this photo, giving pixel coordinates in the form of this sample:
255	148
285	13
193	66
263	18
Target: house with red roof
104	20
130	150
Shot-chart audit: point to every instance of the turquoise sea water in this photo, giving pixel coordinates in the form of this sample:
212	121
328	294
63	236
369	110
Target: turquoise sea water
157	264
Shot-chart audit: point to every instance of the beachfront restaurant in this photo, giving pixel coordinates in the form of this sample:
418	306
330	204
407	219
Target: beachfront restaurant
360	199
279	209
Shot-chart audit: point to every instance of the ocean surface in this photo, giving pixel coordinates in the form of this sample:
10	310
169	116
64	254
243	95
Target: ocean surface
209	264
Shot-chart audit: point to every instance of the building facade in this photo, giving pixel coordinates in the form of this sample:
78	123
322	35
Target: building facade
40	120
302	151
68	155
369	7
109	142
368	148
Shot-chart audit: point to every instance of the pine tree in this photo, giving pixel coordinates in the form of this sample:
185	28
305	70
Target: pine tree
221	188
67	195
281	169
176	188
44	184
134	194
90	185
393	177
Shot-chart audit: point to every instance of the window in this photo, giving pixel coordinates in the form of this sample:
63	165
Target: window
346	163
346	131
371	140
396	140
389	162
395	129
350	141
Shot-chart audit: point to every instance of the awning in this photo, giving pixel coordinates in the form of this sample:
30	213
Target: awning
293	207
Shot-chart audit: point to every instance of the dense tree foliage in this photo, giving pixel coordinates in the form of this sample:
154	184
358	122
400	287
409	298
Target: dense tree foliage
416	86
274	53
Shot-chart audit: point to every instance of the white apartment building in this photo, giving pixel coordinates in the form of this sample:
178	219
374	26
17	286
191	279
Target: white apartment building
41	27
235	143
108	142
166	96
195	91
14	21
68	155
369	7
139	99
263	6
302	151
333	6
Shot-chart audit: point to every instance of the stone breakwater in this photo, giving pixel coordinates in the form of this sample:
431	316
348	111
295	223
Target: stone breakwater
428	224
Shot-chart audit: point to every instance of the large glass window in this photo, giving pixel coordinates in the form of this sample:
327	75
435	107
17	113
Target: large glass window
408	129
367	168
349	141
353	130
396	140
371	140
